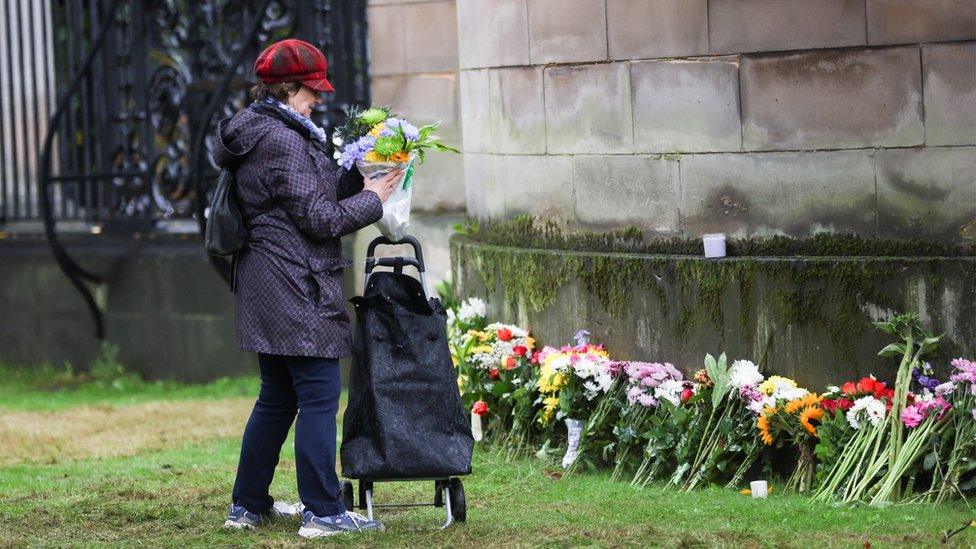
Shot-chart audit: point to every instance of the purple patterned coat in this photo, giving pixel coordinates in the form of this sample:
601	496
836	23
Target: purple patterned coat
288	279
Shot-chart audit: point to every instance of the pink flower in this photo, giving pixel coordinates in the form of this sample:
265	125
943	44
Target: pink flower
912	416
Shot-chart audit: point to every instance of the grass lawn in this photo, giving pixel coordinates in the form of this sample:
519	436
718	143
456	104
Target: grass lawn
173	491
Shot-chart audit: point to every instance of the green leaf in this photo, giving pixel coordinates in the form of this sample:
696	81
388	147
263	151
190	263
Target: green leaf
893	349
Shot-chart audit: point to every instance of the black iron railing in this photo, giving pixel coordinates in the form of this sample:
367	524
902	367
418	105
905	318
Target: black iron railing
141	85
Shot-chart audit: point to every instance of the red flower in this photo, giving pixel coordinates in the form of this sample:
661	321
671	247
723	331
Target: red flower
504	334
493	373
520	350
849	388
867	385
510	363
480	408
686	395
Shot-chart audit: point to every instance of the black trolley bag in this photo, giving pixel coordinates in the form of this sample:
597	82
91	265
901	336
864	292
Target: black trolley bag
404	419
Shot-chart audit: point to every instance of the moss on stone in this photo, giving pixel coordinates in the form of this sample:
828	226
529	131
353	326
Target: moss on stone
526	232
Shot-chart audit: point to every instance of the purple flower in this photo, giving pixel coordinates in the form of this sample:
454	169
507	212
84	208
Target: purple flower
582	337
409	130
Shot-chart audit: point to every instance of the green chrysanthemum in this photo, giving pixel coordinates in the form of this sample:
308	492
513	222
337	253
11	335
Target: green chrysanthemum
386	146
373	116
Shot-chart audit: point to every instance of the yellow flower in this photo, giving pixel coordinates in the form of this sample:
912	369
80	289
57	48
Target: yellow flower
454	359
481	349
530	343
798	404
550	381
813	413
373	156
399	156
462	381
550	405
769	386
762	423
375	132
745	492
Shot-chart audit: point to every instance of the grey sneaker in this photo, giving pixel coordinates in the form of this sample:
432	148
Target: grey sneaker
242	519
313	526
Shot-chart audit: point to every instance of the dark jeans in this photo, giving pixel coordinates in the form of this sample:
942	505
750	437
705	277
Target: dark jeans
289	384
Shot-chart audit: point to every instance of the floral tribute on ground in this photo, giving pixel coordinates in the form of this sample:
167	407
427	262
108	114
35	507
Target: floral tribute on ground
903	434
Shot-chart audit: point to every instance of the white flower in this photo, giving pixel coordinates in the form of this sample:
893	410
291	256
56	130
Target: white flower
945	389
336	155
337	141
743	373
866	408
669	390
790	393
471	309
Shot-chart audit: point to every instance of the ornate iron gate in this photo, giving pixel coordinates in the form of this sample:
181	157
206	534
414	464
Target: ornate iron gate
141	84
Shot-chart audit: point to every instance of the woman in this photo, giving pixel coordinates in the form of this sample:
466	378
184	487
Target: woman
289	304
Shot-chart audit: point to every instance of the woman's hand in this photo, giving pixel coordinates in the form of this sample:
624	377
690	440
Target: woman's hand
384	186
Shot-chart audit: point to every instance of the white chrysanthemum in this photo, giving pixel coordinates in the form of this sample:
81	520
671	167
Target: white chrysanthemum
472	309
669	389
745	373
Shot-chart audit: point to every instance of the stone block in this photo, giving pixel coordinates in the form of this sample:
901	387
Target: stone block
439	183
642	29
430	37
493	34
914	21
736	26
387	54
832	100
518	114
796	193
949	81
421	98
567	31
475	111
686	106
927	193
540	185
616	191
484	198
588	109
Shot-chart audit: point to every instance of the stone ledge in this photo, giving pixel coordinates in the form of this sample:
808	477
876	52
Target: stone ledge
808	318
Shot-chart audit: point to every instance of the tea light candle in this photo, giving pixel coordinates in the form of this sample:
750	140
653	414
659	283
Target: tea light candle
759	488
714	245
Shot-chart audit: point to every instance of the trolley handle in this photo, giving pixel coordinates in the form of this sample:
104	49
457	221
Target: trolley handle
417	252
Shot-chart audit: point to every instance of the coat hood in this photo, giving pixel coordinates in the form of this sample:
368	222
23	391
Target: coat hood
236	136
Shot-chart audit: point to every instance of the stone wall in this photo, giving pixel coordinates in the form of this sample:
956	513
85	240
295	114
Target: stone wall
807	318
747	117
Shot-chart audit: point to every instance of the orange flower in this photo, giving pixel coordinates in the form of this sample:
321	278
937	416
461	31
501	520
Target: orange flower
796	405
813	413
763	424
400	156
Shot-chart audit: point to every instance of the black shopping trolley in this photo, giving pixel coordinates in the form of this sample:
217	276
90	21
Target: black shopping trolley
404	420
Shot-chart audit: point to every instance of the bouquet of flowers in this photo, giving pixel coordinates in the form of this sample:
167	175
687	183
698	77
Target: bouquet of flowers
653	392
377	141
496	379
877	458
571	383
730	398
959	474
794	422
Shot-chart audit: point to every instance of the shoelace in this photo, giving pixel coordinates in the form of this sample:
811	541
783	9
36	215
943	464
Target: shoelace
357	519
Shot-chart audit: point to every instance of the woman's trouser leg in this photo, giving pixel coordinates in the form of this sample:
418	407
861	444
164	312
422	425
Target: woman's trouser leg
266	431
317	383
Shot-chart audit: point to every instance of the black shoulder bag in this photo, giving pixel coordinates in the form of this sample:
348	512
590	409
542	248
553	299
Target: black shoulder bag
225	233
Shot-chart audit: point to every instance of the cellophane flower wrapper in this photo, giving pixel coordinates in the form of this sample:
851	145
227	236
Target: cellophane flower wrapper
396	209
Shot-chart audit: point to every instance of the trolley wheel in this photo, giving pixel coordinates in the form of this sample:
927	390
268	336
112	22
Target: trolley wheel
347	495
439	486
459	509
